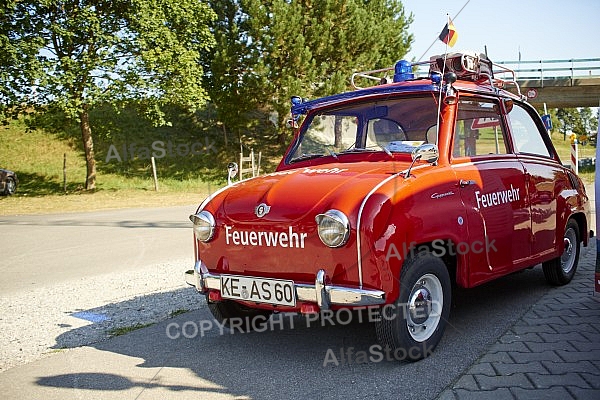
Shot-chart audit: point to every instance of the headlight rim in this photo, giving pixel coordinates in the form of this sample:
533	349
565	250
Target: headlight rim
207	218
339	217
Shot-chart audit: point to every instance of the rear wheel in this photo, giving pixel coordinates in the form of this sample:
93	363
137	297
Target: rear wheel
560	270
236	316
413	326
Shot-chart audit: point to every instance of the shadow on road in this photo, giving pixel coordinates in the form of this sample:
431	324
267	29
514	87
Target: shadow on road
287	360
184	224
106	381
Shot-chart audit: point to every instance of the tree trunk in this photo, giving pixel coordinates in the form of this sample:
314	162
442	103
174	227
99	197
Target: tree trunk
337	129
88	147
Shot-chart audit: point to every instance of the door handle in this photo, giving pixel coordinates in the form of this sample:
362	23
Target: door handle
464	183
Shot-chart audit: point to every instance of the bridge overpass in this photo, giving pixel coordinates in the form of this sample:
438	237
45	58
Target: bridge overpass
559	83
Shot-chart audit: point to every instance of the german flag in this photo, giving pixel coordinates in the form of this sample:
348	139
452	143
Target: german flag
449	34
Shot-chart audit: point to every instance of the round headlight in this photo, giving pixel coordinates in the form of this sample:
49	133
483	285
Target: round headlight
333	228
204	225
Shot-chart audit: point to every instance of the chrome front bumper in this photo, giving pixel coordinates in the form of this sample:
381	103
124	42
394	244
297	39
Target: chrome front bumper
320	293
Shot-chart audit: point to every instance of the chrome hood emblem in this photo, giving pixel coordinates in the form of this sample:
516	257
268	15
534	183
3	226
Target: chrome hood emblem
261	210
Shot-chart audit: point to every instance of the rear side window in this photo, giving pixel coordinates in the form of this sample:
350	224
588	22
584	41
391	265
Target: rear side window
526	135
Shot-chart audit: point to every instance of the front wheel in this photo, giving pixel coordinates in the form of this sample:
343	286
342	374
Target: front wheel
236	316
560	270
413	325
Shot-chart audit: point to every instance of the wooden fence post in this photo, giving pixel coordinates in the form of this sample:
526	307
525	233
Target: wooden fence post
65	172
154	174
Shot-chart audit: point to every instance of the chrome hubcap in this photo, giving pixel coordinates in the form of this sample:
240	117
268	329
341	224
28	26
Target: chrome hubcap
567	260
424	307
420	305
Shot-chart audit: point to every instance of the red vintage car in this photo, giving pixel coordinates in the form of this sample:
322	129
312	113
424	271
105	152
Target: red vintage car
387	195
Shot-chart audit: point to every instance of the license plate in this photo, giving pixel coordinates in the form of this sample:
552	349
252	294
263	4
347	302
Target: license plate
260	290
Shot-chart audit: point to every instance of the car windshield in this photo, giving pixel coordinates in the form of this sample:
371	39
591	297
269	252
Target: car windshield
393	126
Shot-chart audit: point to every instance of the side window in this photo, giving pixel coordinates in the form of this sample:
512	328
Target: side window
478	130
525	133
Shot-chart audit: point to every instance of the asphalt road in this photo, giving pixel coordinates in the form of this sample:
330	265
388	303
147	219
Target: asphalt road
157	362
285	362
41	250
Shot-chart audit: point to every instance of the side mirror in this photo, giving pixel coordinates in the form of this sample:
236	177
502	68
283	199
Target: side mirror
232	170
426	152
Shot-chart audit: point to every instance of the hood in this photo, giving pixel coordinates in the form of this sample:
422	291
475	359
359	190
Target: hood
292	194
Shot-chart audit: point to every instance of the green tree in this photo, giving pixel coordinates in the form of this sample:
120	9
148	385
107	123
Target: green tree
282	48
566	120
580	121
231	83
589	121
74	54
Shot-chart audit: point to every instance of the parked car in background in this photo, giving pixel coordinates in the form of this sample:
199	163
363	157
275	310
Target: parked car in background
8	182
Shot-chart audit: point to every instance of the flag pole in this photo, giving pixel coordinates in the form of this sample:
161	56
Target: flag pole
437	126
436	39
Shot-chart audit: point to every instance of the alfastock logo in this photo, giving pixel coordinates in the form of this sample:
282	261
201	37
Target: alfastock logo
159	149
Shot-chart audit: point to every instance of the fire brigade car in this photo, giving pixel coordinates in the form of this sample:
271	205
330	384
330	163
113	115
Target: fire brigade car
386	196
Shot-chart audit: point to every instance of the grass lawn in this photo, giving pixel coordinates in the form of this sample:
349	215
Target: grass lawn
38	158
563	147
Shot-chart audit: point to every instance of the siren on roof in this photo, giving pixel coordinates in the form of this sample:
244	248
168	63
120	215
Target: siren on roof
466	65
403	71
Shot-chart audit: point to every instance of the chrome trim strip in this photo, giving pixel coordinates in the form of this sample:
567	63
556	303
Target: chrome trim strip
306	292
355	297
333	295
485	236
361	209
212	196
358	224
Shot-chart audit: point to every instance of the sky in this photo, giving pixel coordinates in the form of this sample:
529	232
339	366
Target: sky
541	29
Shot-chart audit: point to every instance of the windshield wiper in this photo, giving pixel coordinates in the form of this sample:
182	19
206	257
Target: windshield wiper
387	151
306	157
358	150
332	153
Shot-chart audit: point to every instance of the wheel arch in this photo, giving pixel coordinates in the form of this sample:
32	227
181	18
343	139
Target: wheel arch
442	249
582	224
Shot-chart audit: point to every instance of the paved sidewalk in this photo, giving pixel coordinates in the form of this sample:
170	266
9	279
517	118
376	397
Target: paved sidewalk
553	352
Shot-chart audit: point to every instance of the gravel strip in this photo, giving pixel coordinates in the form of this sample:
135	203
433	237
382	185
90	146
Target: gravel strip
45	320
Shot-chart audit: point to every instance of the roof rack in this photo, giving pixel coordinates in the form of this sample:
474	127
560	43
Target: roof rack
501	83
466	65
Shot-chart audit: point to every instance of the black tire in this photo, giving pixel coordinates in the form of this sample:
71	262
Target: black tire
10	187
413	328
560	270
236	316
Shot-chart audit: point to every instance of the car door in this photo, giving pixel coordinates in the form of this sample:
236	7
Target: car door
493	189
545	177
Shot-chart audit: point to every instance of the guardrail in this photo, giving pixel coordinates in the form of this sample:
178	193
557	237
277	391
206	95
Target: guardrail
550	69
